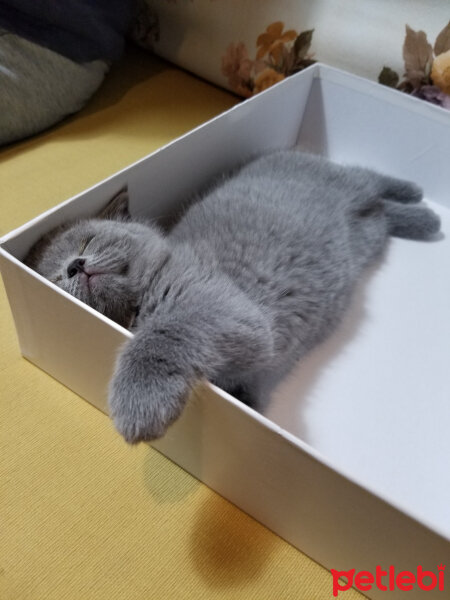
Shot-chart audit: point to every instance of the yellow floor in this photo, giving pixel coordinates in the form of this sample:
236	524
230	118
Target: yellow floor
83	516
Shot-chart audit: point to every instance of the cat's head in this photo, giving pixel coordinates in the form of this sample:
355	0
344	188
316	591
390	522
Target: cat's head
106	261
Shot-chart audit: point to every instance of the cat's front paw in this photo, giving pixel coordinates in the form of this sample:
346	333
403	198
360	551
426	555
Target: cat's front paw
144	404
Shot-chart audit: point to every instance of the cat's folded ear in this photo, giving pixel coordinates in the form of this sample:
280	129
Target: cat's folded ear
117	208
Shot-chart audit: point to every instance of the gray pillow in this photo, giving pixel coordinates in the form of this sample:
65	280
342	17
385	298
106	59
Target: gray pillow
39	87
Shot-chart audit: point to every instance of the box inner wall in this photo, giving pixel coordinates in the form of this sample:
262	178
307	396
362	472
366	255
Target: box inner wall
375	398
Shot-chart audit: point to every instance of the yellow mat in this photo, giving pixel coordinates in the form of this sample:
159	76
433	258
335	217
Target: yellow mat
83	516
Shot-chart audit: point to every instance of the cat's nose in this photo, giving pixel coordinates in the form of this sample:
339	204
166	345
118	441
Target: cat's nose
76	266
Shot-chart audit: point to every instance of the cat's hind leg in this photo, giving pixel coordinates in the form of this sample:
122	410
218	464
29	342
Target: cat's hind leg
411	222
388	188
400	190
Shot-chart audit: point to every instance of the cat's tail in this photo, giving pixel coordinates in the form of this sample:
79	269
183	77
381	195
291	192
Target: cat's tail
414	222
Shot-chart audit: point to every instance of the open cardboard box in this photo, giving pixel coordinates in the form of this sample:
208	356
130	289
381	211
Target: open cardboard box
350	463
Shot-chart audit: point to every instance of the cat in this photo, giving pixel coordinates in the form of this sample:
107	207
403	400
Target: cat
256	272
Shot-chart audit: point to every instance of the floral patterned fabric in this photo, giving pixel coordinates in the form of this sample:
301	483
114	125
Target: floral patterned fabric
248	46
280	53
427	69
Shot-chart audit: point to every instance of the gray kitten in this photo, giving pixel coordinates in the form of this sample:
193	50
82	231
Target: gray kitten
256	273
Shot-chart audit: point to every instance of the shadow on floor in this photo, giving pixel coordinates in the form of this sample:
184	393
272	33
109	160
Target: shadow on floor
229	549
173	488
135	67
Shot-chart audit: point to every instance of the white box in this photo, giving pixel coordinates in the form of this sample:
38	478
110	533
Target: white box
352	466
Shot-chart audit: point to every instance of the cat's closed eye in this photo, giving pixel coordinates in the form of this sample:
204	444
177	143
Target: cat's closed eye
84	244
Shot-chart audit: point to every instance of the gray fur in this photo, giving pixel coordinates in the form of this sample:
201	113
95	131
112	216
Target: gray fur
256	273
